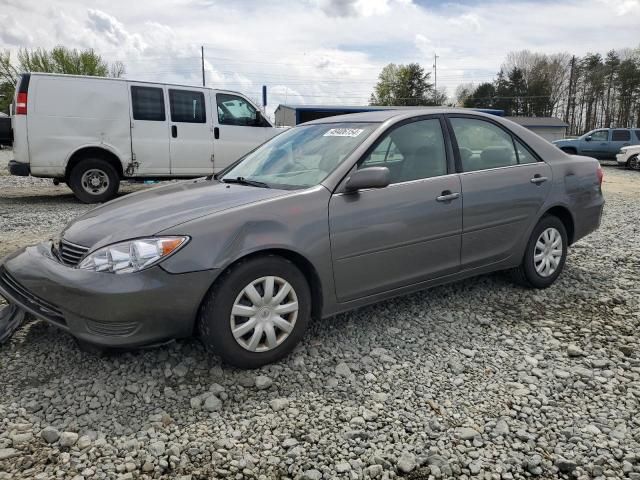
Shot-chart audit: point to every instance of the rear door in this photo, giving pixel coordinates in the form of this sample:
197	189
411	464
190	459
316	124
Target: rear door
406	233
191	137
504	186
237	129
619	138
149	129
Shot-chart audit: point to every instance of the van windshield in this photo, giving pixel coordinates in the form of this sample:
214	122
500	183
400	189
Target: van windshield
300	157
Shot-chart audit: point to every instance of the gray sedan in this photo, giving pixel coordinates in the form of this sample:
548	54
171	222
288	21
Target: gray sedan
326	217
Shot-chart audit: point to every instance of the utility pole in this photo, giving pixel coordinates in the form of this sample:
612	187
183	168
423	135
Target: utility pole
435	78
570	95
202	58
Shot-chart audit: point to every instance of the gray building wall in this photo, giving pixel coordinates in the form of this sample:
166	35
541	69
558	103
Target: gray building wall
285	116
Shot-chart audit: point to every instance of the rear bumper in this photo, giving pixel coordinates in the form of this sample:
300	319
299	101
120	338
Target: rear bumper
19	169
106	309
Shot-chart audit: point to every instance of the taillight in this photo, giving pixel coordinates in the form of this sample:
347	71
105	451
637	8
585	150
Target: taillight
600	175
21	104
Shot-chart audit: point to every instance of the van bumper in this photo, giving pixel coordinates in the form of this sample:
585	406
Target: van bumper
19	169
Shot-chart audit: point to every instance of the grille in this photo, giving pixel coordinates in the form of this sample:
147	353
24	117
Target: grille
44	308
70	253
112	329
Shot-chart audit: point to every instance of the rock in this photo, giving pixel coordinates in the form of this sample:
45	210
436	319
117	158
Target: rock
212	404
6	453
406	463
50	434
196	403
68	439
312	474
501	428
83	442
561	373
565	466
466	433
180	370
468	352
475	467
19	439
278	404
343	370
574	351
263	382
157	449
289	442
343	467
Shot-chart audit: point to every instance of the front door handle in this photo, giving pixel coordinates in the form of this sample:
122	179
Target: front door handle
447	196
174	131
216	133
538	179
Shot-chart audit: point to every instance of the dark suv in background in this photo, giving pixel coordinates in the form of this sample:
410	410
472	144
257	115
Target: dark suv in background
603	143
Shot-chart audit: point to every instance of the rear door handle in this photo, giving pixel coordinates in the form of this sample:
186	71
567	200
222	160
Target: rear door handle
174	131
447	196
538	179
216	133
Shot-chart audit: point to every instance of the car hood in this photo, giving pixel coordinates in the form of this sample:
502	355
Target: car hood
149	212
566	141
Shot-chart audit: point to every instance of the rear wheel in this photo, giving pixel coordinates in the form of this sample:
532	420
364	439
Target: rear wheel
256	312
94	180
545	256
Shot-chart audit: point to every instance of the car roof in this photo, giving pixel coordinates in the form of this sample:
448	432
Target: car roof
384	115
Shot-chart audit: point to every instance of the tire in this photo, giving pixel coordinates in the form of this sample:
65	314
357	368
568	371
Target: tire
633	163
527	274
217	315
98	170
569	151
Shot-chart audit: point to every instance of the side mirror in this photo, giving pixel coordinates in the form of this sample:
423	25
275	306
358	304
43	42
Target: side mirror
258	121
587	139
371	177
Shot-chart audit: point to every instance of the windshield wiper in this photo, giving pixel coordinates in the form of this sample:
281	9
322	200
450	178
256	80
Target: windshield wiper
246	181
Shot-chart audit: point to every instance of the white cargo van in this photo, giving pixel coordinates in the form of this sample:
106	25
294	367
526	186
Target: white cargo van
93	132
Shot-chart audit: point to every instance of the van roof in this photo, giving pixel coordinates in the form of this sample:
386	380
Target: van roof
66	75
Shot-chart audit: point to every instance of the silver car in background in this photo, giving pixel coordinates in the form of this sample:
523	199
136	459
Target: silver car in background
326	217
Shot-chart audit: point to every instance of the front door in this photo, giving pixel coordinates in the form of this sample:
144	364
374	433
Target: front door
403	234
504	186
191	132
598	146
149	130
238	130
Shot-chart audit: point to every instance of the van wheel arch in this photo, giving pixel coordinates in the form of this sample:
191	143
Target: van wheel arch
93	152
569	150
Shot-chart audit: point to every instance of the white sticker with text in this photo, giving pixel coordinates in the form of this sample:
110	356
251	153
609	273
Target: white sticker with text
343	132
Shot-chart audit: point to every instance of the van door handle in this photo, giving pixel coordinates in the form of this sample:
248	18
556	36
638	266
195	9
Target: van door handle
216	133
538	179
174	131
447	196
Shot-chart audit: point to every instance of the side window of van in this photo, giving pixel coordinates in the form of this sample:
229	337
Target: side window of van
147	103
235	110
187	106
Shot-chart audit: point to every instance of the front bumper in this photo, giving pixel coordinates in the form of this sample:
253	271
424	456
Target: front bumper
123	310
621	159
19	169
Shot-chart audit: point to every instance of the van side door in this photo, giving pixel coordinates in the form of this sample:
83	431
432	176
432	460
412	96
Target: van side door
238	128
191	132
149	130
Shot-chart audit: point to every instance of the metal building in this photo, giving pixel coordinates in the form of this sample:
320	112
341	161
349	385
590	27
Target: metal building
549	128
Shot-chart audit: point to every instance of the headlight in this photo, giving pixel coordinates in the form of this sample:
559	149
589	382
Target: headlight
132	255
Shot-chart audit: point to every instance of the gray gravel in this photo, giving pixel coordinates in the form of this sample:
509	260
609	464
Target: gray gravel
480	379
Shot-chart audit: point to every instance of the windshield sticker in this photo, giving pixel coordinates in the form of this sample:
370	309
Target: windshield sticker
344	132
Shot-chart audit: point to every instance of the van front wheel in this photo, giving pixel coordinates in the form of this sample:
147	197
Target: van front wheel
94	180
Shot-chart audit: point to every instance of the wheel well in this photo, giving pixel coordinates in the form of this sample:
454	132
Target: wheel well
93	152
565	217
569	149
305	266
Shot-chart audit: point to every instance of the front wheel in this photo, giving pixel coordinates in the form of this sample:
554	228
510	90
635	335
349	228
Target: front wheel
633	163
94	180
256	312
545	256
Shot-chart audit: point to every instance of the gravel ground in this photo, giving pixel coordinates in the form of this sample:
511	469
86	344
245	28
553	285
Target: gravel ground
480	379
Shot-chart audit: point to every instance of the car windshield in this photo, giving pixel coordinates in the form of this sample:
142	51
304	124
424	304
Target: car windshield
300	157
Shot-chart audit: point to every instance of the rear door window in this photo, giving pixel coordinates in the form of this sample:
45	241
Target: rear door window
187	106
621	136
148	104
483	145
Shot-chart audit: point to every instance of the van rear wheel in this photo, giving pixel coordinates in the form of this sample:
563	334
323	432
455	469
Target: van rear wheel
94	180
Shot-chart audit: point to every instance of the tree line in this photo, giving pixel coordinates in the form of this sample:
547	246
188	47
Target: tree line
592	91
57	60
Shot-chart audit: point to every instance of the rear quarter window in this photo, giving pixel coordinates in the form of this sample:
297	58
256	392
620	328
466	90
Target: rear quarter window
621	136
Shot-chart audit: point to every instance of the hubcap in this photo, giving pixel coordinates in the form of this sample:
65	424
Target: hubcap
95	181
264	314
547	252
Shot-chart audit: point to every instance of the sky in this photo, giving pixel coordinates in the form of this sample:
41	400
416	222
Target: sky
316	51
